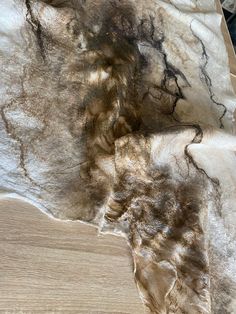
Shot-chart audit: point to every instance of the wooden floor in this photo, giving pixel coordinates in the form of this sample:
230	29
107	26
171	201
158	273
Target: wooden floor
48	266
228	42
229	47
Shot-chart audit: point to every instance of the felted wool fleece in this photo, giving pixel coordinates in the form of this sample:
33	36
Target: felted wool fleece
120	113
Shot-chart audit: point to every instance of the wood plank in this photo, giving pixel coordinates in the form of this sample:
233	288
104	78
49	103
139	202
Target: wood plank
233	80
227	38
49	266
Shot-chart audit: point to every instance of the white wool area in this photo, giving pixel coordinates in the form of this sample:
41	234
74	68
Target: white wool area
120	114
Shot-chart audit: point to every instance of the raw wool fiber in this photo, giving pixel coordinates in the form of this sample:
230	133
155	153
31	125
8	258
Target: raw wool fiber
120	114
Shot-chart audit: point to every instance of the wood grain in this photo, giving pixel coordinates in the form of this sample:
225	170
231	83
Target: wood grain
228	42
233	80
48	266
229	46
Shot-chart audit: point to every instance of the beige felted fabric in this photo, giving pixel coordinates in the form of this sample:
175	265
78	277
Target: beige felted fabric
121	114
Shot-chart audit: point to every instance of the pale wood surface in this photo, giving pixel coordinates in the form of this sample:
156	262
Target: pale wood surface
48	266
228	42
233	80
229	46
